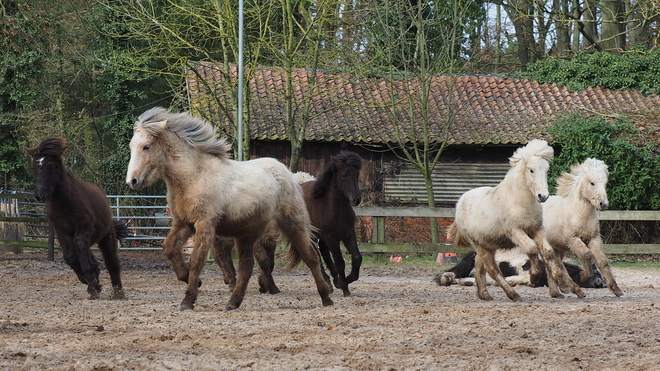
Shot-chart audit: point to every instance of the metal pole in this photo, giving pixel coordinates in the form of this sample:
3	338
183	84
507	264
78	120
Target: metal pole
240	81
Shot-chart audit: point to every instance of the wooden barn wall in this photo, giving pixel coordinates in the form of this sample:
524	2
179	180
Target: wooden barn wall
385	179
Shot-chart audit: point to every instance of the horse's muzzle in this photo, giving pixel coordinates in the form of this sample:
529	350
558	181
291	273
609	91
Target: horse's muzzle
542	197
135	184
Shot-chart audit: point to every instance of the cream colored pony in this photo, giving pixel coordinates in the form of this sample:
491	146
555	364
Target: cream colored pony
571	222
211	195
508	215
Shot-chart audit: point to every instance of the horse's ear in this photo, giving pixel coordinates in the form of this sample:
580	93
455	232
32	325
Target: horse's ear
63	147
30	151
335	161
161	125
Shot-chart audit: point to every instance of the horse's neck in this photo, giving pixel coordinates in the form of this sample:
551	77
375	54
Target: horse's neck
514	182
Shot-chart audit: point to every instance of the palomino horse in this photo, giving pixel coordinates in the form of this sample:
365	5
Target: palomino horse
571	222
210	194
508	215
80	215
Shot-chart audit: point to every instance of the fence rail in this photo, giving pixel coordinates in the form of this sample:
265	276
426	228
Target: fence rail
150	223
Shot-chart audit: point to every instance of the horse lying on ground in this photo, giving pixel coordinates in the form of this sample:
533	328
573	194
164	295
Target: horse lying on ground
211	195
80	215
571	222
514	265
508	215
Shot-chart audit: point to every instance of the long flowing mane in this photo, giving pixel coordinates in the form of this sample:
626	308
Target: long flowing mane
535	147
198	133
347	158
568	182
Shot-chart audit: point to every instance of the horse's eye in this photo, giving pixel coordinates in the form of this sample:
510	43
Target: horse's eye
531	171
145	148
593	184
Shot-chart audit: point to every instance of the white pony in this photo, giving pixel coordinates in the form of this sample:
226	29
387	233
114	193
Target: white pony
508	215
211	195
571	222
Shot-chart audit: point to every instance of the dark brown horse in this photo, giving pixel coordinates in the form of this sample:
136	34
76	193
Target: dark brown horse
330	200
80	215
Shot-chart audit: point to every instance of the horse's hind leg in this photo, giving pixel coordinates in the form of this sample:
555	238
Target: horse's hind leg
486	259
556	269
338	258
222	253
480	277
264	251
108	247
324	254
244	247
596	247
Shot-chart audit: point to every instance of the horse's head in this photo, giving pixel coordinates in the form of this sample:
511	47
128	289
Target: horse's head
346	166
534	159
147	158
594	182
48	167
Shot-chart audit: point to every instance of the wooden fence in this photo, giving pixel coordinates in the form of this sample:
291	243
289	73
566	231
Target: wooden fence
378	243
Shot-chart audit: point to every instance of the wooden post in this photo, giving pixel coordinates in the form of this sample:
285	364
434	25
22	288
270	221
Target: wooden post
51	243
378	234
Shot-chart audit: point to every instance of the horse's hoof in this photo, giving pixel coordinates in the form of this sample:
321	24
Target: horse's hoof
346	293
327	302
185	307
199	283
118	294
618	294
485	297
557	295
274	290
515	298
94	292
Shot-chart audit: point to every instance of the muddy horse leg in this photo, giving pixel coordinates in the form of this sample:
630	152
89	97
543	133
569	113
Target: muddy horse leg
480	275
596	247
245	249
555	267
89	267
489	264
204	238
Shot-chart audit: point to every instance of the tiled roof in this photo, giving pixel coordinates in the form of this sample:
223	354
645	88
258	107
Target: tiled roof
487	109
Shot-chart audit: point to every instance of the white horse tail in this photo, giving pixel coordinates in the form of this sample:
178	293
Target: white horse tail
460	239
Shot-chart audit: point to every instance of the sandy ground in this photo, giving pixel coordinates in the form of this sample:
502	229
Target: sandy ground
396	319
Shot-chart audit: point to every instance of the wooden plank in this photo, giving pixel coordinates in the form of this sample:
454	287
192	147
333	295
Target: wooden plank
404	211
24	219
24	243
410	248
629	215
632	249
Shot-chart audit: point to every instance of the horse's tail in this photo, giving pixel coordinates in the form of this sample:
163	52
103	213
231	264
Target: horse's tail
121	230
294	258
460	239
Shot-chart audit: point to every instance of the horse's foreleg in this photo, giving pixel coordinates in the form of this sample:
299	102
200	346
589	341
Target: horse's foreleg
222	253
596	247
356	258
324	251
577	246
88	264
108	247
245	249
204	239
178	235
556	269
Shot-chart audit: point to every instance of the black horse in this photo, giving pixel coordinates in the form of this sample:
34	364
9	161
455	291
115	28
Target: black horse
329	200
80	215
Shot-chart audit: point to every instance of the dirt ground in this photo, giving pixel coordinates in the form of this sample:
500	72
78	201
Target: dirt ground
396	319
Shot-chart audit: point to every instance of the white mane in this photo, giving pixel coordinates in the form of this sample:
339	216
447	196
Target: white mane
535	147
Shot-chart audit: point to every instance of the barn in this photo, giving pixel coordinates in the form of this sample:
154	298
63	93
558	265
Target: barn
480	120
